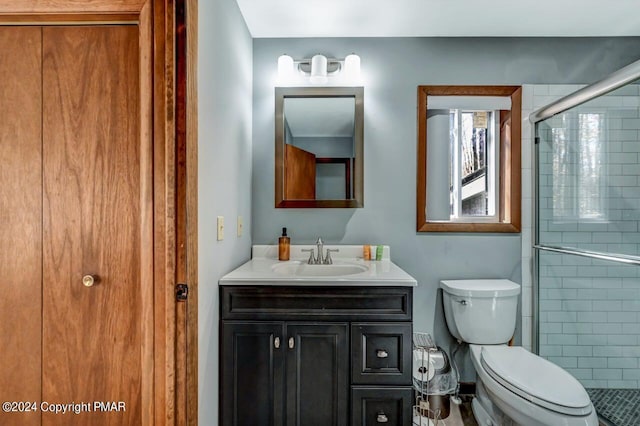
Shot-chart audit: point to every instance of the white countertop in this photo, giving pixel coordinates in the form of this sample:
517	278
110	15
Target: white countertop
262	269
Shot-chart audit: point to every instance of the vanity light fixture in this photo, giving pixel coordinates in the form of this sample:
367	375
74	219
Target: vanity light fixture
319	69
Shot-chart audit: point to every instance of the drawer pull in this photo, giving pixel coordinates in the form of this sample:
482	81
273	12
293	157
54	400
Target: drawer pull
381	353
291	342
276	343
382	418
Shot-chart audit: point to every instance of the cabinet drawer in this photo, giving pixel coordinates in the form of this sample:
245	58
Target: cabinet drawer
381	353
381	406
316	303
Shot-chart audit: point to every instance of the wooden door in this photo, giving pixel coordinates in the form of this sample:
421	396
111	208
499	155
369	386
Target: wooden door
299	174
103	115
252	374
317	374
93	222
20	221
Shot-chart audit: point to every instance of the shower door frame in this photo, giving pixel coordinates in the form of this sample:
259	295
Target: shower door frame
613	81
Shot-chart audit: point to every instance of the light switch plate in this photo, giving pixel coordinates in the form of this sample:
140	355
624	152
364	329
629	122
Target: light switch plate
220	228
240	226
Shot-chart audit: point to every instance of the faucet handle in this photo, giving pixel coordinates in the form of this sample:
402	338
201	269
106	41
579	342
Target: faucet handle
319	241
327	259
311	256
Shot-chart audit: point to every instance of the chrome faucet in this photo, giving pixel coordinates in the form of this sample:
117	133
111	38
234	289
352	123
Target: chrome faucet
319	255
320	258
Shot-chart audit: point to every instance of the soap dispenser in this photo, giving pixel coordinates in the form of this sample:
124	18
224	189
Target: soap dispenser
284	244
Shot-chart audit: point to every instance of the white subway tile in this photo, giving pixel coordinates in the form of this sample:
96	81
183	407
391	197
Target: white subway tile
623	294
577	328
607	374
591	316
579	351
564	361
592	339
622	362
592	294
549	351
591	362
622	384
538	90
631	328
607	351
594	383
607	328
550	327
607	283
622	317
577	305
631	305
622	339
581	373
631	374
563	339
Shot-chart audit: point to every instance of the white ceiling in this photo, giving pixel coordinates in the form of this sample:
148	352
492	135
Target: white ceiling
447	18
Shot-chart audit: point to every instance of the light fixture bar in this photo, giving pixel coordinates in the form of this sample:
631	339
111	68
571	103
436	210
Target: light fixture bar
319	68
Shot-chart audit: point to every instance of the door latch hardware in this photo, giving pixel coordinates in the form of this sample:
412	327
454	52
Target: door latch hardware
182	292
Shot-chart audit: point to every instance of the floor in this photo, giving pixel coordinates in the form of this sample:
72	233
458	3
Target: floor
617	407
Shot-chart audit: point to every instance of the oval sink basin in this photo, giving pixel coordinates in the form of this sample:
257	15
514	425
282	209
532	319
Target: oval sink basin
306	270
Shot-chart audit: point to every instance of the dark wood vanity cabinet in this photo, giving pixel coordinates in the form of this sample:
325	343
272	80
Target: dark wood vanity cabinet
315	356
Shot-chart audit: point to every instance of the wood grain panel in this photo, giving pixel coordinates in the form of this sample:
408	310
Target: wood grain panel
70	6
92	337
192	210
163	213
20	220
299	174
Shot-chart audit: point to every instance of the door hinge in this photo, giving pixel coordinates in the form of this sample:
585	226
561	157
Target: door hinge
536	140
182	292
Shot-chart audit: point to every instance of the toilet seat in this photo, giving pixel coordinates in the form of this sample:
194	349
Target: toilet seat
535	379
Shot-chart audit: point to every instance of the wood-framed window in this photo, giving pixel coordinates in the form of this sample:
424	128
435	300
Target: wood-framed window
469	147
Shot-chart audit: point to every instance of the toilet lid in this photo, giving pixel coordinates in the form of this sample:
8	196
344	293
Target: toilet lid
536	379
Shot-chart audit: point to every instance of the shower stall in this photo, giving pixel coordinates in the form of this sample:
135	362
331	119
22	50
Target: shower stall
586	282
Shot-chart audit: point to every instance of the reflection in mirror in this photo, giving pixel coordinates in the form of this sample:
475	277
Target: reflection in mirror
319	147
468	165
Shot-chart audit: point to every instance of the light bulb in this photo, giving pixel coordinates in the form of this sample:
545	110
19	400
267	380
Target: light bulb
319	69
352	67
285	67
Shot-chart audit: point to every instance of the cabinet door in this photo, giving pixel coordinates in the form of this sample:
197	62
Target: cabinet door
317	374
252	373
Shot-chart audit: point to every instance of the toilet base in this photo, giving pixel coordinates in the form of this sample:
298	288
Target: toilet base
486	412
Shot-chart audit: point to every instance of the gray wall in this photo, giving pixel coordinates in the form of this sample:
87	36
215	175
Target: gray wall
391	70
224	173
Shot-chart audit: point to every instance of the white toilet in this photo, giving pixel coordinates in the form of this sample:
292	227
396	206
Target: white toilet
514	386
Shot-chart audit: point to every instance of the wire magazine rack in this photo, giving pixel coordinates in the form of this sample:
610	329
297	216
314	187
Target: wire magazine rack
431	384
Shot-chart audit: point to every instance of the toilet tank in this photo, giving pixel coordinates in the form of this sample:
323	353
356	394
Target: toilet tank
481	311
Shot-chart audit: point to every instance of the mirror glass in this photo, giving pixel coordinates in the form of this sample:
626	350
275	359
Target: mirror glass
319	147
468	161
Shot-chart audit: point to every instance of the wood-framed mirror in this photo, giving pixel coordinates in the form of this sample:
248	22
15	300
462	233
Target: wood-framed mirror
469	151
319	147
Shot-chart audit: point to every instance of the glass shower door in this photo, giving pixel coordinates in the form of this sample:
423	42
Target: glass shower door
588	248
